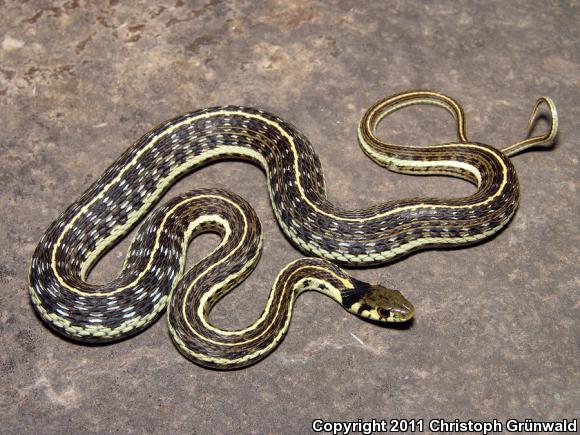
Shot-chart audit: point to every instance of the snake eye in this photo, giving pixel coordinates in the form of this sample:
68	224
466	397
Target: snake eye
384	312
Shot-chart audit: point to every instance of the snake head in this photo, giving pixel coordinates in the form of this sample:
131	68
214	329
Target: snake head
378	303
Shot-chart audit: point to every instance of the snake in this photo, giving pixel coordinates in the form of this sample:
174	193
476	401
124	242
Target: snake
153	277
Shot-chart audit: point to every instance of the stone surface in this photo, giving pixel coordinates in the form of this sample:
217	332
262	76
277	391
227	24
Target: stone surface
496	331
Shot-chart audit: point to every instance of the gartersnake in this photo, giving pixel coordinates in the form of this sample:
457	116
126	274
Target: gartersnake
153	275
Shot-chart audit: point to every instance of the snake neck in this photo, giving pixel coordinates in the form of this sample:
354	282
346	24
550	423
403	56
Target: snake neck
212	346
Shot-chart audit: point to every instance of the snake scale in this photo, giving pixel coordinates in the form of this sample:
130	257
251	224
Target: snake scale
153	275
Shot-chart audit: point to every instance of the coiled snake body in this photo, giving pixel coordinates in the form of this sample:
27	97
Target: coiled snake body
153	275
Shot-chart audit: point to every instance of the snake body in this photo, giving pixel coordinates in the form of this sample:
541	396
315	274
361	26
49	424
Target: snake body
153	275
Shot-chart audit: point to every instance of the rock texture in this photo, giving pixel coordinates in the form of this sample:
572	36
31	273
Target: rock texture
496	331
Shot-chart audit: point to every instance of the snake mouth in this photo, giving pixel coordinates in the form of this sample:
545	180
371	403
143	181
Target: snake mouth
403	313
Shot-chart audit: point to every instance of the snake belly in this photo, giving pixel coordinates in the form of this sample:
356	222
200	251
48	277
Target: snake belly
133	184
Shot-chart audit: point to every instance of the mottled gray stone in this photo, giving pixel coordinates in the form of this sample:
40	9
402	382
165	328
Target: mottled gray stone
496	331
